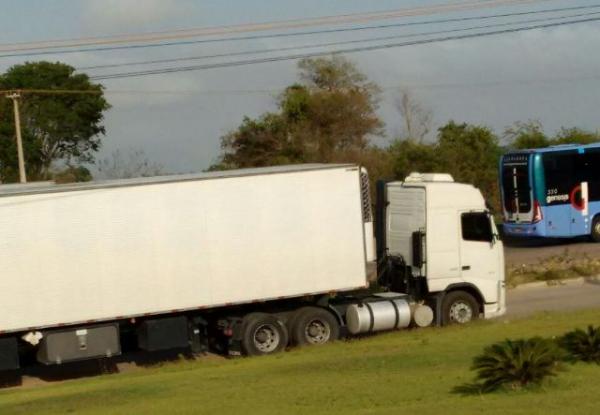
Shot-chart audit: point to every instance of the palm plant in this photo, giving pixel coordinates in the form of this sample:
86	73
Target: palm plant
517	363
582	345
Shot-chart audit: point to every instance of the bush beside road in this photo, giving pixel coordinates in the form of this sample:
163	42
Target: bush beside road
550	260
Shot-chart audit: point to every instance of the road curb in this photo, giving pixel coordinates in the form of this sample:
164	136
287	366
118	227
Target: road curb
555	283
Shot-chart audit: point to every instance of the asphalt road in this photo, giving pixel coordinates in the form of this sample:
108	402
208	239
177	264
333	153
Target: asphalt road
531	251
570	295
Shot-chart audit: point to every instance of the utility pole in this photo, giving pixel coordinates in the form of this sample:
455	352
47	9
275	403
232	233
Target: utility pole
15	98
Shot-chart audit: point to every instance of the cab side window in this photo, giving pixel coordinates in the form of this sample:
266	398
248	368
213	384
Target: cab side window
476	226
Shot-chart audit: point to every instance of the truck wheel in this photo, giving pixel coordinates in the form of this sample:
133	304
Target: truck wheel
459	307
314	325
595	234
263	334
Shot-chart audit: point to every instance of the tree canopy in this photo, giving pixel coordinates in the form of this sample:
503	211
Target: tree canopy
55	126
327	117
468	152
524	135
330	115
575	136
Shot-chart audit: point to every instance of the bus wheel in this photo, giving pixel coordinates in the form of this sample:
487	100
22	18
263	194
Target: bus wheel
263	334
596	229
459	307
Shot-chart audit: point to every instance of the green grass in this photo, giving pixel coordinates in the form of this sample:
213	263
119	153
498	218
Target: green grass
406	372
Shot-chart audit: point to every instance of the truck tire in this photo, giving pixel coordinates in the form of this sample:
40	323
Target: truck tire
313	326
263	334
459	307
595	234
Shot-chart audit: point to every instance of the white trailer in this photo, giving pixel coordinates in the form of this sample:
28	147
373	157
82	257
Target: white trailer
74	254
257	258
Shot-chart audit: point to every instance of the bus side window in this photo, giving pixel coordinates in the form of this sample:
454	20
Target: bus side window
559	168
588	170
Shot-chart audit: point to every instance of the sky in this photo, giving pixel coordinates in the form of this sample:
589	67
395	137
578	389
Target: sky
551	75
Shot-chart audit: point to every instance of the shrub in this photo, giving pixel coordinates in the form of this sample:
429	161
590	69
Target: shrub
516	364
72	175
582	345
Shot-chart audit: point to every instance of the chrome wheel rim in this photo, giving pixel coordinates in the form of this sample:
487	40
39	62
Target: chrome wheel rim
317	332
461	312
266	338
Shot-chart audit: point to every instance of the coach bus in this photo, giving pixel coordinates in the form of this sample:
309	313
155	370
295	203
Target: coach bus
552	192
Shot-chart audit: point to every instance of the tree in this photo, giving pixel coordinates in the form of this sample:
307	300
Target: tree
331	74
126	166
416	118
73	174
257	143
524	135
55	126
409	156
575	136
470	153
329	116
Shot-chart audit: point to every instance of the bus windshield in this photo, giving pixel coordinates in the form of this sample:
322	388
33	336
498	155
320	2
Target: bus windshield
516	187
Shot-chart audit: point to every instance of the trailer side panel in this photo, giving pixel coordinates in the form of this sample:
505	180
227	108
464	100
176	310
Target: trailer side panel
107	253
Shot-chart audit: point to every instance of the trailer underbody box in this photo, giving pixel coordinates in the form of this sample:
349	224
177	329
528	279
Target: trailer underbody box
79	344
9	354
164	334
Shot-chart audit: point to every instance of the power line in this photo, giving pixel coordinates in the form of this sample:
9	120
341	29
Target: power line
320	45
325	53
286	24
410	85
295	34
52	91
502	82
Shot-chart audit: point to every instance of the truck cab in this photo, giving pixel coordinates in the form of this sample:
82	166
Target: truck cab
442	246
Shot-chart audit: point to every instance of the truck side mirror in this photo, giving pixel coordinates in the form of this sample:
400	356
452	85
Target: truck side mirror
417	249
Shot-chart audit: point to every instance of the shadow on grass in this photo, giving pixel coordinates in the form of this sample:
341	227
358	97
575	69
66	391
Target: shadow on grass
468	389
476	389
10	379
92	368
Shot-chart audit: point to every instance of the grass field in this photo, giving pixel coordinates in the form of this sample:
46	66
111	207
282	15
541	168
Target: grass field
410	372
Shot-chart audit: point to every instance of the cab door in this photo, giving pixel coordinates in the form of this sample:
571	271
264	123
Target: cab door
479	257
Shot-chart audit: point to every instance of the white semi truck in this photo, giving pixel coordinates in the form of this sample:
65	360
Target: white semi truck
248	260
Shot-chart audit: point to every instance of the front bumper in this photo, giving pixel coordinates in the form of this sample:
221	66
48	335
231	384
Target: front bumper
493	310
524	229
